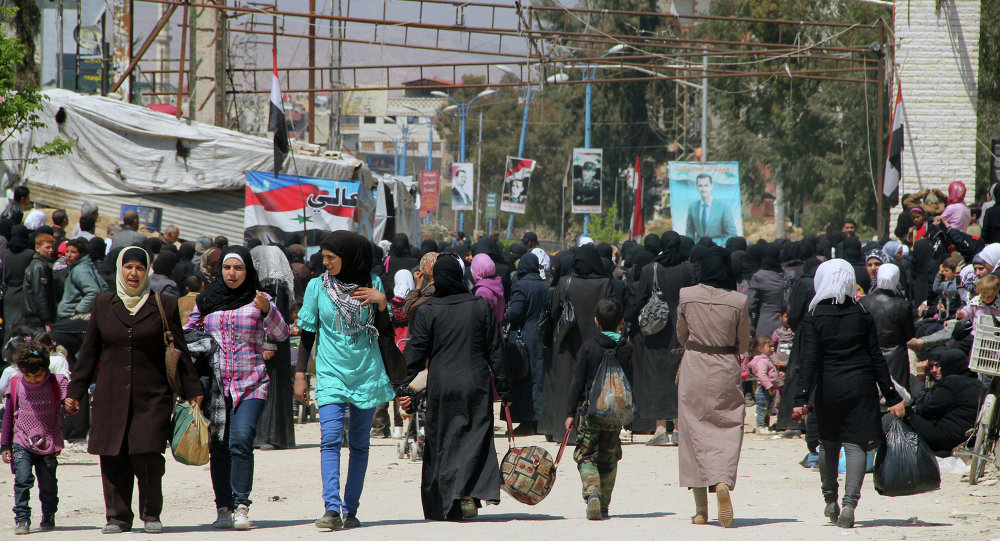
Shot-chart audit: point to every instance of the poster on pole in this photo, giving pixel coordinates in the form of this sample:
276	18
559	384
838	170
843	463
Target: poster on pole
587	180
461	186
429	194
491	206
705	200
516	175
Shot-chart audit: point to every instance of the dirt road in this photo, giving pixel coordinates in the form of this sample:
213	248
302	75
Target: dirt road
775	498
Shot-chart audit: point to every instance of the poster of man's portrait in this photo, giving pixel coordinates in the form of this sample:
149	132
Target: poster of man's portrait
705	200
587	164
461	186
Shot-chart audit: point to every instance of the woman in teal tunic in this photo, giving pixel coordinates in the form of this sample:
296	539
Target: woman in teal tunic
338	316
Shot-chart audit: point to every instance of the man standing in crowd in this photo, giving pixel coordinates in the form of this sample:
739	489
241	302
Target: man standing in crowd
170	235
850	228
83	283
85	229
39	292
59	222
530	240
86	209
129	235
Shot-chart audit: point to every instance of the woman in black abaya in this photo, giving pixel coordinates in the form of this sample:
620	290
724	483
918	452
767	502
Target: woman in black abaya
456	336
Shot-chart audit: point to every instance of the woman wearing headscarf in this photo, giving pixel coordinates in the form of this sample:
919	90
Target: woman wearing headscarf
240	317
767	287
651	243
210	263
400	255
957	213
402	285
338	315
944	413
490	247
487	284
991	216
842	368
713	327
428	245
894	321
799	298
874	258
457	337
528	298
583	287
16	259
275	429
544	263
655	363
132	400
159	280
300	271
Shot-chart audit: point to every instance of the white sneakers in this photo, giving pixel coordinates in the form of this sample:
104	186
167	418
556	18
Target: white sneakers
225	520
241	518
397	432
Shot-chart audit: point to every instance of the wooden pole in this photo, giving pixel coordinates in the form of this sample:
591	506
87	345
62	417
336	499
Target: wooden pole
182	61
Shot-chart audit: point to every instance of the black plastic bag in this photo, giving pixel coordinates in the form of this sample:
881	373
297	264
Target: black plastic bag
905	464
610	402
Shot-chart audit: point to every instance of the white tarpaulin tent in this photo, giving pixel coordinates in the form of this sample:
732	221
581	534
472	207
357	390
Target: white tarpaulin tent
405	194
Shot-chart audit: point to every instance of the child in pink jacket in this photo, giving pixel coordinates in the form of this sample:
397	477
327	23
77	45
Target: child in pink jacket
768	380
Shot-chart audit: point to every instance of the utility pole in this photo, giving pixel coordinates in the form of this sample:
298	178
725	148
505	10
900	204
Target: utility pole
311	107
880	157
704	109
479	168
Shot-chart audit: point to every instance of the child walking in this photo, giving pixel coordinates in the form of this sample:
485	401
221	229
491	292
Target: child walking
768	380
32	436
598	447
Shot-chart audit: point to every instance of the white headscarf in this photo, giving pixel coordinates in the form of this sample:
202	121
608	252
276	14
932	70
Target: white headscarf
834	280
989	255
543	258
887	277
133	299
272	266
34	220
402	283
584	240
384	245
968	274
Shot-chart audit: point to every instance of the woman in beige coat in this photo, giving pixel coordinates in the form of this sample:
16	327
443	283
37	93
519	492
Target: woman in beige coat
713	326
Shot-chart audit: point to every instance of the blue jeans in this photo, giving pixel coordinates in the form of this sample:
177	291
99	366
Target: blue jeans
331	419
764	404
232	458
48	489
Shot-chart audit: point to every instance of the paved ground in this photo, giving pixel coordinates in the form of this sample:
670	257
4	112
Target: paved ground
775	499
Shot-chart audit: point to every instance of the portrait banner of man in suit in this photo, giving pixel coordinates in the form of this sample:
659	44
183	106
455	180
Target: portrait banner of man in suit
705	200
461	186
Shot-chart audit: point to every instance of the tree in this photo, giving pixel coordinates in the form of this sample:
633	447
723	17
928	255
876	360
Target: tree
988	96
20	101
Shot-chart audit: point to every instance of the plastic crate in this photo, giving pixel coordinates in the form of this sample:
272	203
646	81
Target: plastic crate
985	357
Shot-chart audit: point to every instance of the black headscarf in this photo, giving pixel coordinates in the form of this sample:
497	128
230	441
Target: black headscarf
355	254
517	251
737	258
955	363
809	267
640	260
770	259
717	269
687	244
628	253
528	264
400	246
164	263
563	264
671	246
736	243
19	240
605	251
448	277
5	226
152	245
823	247
96	249
186	251
443	246
488	246
851	248
220	297
428	245
751	262
587	263
651	243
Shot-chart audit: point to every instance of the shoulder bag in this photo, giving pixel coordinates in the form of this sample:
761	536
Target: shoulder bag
567	316
655	316
544	325
515	353
171	355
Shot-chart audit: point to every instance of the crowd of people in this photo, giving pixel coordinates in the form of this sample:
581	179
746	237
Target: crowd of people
826	336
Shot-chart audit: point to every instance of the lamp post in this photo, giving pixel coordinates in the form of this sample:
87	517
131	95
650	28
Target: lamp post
432	119
589	74
399	158
529	94
463	113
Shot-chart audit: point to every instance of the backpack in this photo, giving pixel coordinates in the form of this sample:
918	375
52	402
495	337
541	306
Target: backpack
609	399
745	372
15	382
655	316
37	442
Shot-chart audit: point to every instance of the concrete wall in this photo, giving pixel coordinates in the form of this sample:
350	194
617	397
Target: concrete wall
937	63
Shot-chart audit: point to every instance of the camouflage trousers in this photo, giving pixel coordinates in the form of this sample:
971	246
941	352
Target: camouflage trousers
598	450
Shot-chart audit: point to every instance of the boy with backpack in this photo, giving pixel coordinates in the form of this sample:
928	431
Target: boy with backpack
32	436
598	447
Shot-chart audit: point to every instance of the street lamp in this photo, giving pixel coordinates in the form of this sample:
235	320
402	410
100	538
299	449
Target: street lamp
400	166
463	113
589	74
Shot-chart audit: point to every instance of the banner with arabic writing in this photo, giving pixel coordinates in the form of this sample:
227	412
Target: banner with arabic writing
292	204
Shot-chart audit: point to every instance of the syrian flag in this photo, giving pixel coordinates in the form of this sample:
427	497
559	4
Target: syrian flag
893	163
276	120
638	226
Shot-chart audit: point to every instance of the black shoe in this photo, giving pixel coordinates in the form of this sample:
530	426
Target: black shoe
529	428
48	523
604	513
351	521
330	520
846	519
832	512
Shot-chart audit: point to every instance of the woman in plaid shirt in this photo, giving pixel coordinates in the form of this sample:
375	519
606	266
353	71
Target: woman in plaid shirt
239	316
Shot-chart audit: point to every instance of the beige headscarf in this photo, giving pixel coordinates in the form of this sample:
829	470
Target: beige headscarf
133	299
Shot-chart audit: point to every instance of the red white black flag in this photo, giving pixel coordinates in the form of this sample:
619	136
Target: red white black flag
893	163
276	120
638	229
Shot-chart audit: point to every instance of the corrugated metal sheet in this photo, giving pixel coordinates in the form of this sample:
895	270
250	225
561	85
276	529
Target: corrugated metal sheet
208	213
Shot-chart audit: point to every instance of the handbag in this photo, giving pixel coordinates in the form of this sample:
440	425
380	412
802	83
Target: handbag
567	315
544	325
392	357
655	316
515	354
171	355
189	443
528	473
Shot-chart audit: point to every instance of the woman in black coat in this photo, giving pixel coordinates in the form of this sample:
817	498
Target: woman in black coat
400	255
456	336
842	364
15	259
528	298
657	366
943	413
586	285
767	288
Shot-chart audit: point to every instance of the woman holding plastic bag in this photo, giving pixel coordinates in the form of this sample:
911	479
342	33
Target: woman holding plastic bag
843	365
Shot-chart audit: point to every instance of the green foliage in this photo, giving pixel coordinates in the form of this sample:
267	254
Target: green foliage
602	227
20	103
988	104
